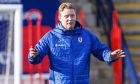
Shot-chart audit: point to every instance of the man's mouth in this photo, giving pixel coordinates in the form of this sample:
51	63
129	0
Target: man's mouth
70	23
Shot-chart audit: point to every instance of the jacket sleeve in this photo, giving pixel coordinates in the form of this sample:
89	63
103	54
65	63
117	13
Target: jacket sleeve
42	48
99	50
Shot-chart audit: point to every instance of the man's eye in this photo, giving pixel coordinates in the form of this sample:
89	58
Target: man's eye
66	16
72	15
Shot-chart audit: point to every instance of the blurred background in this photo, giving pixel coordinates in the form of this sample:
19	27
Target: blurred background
24	22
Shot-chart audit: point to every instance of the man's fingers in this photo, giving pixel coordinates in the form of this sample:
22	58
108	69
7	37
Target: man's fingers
122	56
118	53
33	52
121	53
32	49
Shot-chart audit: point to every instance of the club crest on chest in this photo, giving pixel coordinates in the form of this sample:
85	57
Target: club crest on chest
80	39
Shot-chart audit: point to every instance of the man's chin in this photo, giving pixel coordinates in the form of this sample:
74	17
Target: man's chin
70	28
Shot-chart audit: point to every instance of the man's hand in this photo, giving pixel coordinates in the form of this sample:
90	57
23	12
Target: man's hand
117	54
33	52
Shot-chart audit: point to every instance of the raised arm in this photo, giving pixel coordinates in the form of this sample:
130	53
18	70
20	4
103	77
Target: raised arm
37	53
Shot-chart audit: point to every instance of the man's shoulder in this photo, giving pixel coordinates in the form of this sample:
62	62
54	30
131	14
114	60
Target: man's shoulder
86	31
47	34
51	33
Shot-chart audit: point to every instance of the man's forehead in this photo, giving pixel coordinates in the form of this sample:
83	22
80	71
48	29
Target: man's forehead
67	11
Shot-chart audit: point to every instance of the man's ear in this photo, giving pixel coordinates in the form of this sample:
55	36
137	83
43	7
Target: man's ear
59	16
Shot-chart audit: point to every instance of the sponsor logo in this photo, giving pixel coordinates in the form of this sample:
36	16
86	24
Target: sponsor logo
58	45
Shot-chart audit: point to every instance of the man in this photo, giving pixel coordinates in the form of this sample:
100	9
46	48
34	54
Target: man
69	47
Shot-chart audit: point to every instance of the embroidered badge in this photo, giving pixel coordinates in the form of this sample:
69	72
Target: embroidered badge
80	39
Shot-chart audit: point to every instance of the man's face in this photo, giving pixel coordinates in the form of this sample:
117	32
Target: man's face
68	18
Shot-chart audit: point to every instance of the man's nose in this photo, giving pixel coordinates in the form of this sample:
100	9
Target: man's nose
69	18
